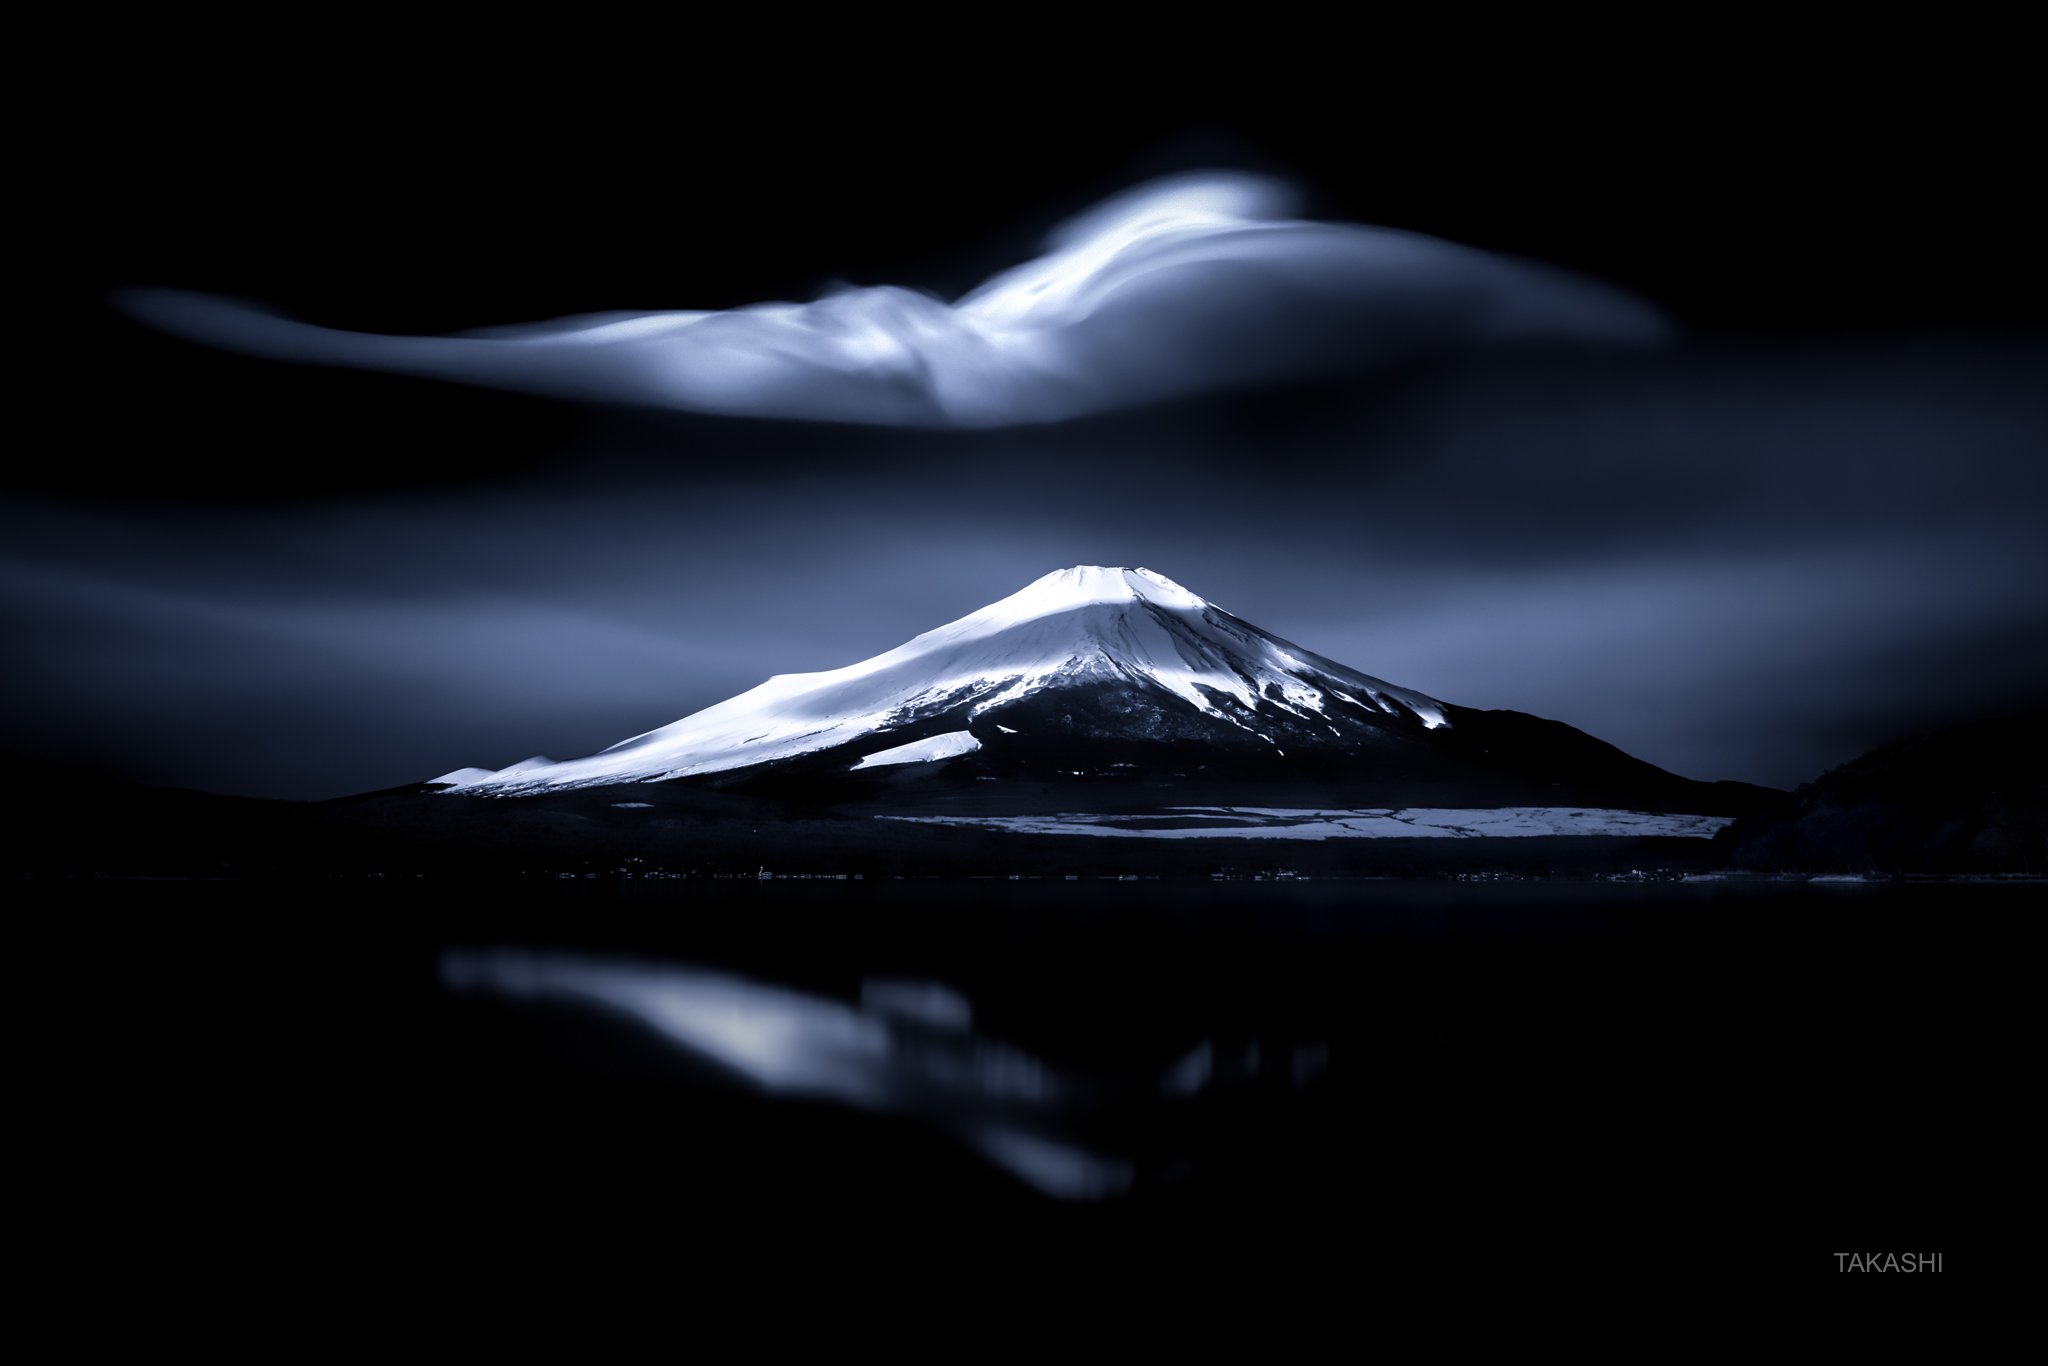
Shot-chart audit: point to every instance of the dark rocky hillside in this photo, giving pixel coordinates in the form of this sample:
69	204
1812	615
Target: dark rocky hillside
1972	799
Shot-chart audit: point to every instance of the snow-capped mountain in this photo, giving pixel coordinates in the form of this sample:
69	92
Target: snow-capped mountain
1179	667
1122	682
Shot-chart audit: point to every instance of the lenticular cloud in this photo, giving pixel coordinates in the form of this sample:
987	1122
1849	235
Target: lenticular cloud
1184	285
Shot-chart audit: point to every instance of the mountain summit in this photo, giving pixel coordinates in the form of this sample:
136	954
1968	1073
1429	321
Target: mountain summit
1106	673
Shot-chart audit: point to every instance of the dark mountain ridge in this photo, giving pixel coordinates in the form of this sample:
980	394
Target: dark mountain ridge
1968	799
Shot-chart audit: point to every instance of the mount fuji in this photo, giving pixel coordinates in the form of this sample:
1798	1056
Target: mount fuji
1130	683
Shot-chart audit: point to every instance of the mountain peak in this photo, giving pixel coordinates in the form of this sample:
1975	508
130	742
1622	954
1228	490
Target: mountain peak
1084	585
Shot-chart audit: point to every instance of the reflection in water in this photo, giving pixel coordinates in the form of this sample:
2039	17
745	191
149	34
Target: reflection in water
908	1048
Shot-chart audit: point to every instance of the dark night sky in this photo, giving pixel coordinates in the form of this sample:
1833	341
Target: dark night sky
1807	527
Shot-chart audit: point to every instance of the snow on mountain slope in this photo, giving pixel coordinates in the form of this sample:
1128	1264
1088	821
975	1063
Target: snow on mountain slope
950	745
1087	624
460	775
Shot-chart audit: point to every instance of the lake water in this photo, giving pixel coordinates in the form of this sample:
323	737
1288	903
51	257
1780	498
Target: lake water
1447	1073
1363	823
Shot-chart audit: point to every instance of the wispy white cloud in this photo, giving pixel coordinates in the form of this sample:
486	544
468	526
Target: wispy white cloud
1181	286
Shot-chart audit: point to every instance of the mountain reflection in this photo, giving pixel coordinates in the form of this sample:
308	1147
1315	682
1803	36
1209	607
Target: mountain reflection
905	1048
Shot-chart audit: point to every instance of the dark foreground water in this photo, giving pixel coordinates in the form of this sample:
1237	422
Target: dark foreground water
473	1087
